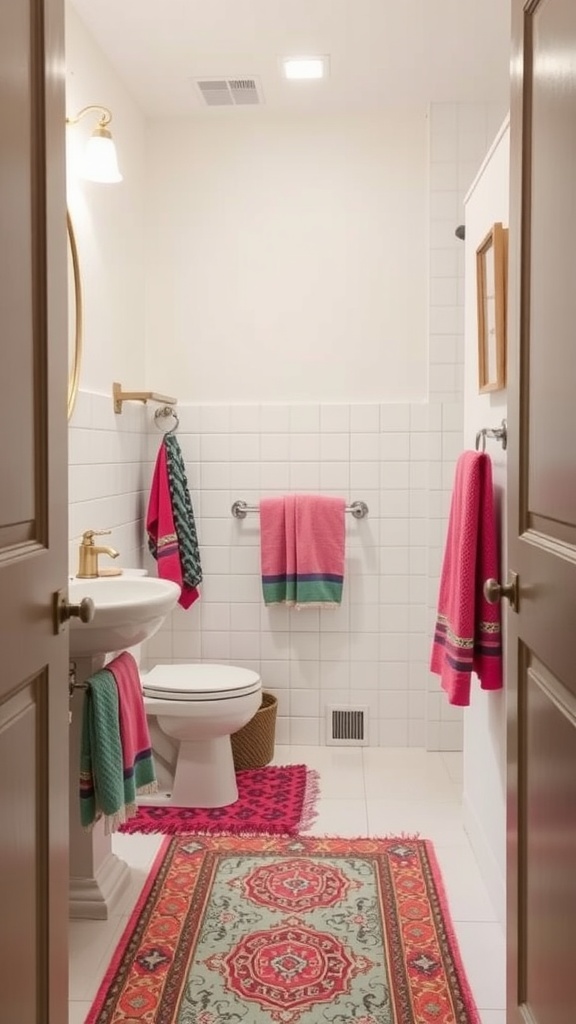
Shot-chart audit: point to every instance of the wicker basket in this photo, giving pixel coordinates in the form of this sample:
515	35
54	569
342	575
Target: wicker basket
253	745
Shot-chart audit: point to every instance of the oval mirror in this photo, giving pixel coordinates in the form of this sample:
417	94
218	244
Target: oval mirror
74	317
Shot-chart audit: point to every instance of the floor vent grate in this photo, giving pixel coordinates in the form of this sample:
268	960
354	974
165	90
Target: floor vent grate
347	726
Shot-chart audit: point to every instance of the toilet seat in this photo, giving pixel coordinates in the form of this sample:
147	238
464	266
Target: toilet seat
199	682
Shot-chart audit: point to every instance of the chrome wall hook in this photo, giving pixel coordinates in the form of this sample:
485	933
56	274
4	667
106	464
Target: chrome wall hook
498	433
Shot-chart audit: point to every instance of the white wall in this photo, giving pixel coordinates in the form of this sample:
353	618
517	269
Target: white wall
106	461
288	257
485	721
108	220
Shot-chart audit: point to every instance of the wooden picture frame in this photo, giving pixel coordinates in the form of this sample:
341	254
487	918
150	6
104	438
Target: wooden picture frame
491	274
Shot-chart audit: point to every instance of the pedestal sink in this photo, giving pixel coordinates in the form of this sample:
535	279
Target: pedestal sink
127	610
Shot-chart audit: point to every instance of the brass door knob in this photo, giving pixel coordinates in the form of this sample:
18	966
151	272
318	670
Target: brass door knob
84	611
63	610
495	591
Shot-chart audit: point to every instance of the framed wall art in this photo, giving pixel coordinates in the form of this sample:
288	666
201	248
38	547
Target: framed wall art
491	280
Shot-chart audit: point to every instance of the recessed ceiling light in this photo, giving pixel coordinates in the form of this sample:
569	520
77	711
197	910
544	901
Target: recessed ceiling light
305	67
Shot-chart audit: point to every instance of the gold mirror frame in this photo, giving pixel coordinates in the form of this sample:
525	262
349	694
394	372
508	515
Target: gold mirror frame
491	273
74	317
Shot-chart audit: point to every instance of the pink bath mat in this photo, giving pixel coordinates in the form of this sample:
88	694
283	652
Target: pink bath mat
272	801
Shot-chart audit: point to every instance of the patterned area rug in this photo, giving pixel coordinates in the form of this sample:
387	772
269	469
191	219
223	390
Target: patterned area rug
272	801
288	931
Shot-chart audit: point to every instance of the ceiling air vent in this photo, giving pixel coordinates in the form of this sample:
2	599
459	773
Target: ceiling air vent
230	92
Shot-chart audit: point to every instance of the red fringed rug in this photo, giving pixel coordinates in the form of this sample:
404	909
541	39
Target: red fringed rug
272	801
249	930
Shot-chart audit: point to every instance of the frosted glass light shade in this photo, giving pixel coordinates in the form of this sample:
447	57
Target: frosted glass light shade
100	160
305	67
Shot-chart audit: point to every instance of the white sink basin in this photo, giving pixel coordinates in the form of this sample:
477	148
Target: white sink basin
128	609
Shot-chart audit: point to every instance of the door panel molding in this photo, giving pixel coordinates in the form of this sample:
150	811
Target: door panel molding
540	675
553	689
561	547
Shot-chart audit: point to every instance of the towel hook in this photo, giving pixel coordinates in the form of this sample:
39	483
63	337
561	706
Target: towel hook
499	433
165	411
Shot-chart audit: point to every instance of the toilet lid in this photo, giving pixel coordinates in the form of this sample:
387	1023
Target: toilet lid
199	682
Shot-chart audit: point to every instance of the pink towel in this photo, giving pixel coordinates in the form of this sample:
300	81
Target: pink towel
162	537
468	635
302	550
139	774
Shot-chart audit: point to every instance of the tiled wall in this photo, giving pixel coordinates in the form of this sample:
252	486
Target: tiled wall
374	650
460	136
107	477
398	458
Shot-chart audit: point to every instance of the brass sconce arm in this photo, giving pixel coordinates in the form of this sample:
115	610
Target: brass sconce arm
104	120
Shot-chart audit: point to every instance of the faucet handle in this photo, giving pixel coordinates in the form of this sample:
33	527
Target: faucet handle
89	534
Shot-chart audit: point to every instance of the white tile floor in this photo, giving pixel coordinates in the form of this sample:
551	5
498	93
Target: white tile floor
371	791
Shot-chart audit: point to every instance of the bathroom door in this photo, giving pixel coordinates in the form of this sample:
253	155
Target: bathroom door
541	667
33	516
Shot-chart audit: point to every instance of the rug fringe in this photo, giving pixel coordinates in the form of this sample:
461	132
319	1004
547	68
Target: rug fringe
151	828
311	796
388	837
401	835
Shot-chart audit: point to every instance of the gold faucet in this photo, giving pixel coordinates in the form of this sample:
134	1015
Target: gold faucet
88	561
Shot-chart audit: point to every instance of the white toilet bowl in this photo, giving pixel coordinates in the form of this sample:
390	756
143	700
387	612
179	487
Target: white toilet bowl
200	706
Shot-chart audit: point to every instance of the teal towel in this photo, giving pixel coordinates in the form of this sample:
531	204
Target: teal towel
101	764
183	513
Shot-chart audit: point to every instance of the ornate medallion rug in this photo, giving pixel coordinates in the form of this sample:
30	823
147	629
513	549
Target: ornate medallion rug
249	930
271	801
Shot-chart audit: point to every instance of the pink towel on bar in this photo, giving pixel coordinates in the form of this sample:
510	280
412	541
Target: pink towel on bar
302	550
162	536
139	774
468	635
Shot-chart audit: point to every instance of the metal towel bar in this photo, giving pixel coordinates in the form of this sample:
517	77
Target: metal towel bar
240	509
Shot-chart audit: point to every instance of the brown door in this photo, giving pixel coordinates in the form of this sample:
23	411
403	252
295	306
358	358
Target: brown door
541	669
33	516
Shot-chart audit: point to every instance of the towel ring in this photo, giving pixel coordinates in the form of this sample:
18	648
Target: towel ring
165	411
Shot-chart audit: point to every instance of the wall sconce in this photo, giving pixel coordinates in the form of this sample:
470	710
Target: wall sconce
100	160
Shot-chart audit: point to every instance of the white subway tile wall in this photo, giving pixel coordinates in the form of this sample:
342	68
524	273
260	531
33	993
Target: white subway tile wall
373	651
107	477
460	136
399	458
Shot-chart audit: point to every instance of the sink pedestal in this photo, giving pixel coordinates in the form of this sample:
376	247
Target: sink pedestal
127	610
97	876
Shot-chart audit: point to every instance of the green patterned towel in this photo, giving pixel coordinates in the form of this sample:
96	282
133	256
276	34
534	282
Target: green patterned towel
101	764
183	513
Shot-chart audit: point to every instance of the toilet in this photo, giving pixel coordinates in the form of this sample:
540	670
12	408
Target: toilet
199	707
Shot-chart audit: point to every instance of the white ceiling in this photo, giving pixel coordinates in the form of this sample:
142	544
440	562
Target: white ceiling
382	52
